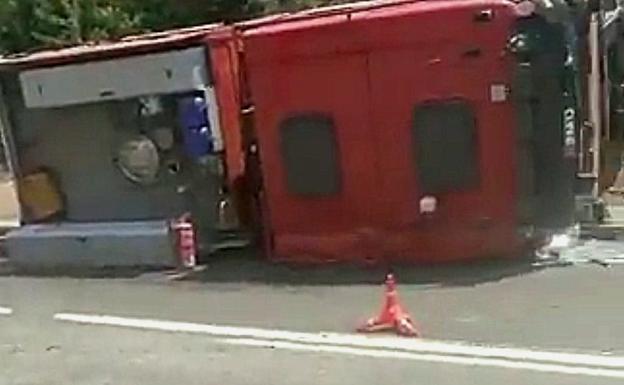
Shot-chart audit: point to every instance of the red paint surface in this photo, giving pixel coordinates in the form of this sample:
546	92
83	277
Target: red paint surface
223	56
369	69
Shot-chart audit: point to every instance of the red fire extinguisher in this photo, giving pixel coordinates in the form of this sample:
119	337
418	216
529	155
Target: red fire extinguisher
185	241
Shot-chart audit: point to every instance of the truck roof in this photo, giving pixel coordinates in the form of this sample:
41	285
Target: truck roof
364	10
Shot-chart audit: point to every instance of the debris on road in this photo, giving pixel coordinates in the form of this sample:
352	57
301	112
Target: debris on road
568	248
53	348
599	262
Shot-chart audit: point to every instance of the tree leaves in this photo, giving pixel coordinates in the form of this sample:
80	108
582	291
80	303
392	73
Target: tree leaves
27	25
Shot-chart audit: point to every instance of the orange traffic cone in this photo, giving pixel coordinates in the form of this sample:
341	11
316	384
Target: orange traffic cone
392	315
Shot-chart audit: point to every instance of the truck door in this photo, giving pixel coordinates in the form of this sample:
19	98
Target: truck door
443	110
317	152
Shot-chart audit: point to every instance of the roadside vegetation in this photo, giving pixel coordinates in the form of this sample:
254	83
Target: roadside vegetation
27	25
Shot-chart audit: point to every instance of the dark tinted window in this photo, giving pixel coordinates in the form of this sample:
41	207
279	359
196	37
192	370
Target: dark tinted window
310	155
445	146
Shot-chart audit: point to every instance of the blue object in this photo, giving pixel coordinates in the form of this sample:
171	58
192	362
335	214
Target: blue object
193	115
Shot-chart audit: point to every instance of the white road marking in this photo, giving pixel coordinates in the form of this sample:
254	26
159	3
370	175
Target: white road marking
5	311
351	340
437	358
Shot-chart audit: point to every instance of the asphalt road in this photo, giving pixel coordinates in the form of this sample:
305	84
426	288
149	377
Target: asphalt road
252	326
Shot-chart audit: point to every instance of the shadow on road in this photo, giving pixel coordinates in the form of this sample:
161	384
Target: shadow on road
243	267
237	267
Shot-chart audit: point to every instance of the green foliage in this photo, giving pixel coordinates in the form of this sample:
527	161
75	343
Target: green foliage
35	24
27	24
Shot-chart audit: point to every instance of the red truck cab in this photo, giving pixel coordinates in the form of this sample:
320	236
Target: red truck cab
395	132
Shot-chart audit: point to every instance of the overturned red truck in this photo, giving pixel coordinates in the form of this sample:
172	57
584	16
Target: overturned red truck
409	131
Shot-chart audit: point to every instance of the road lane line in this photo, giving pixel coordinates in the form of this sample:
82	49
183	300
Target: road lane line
435	358
350	340
5	311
